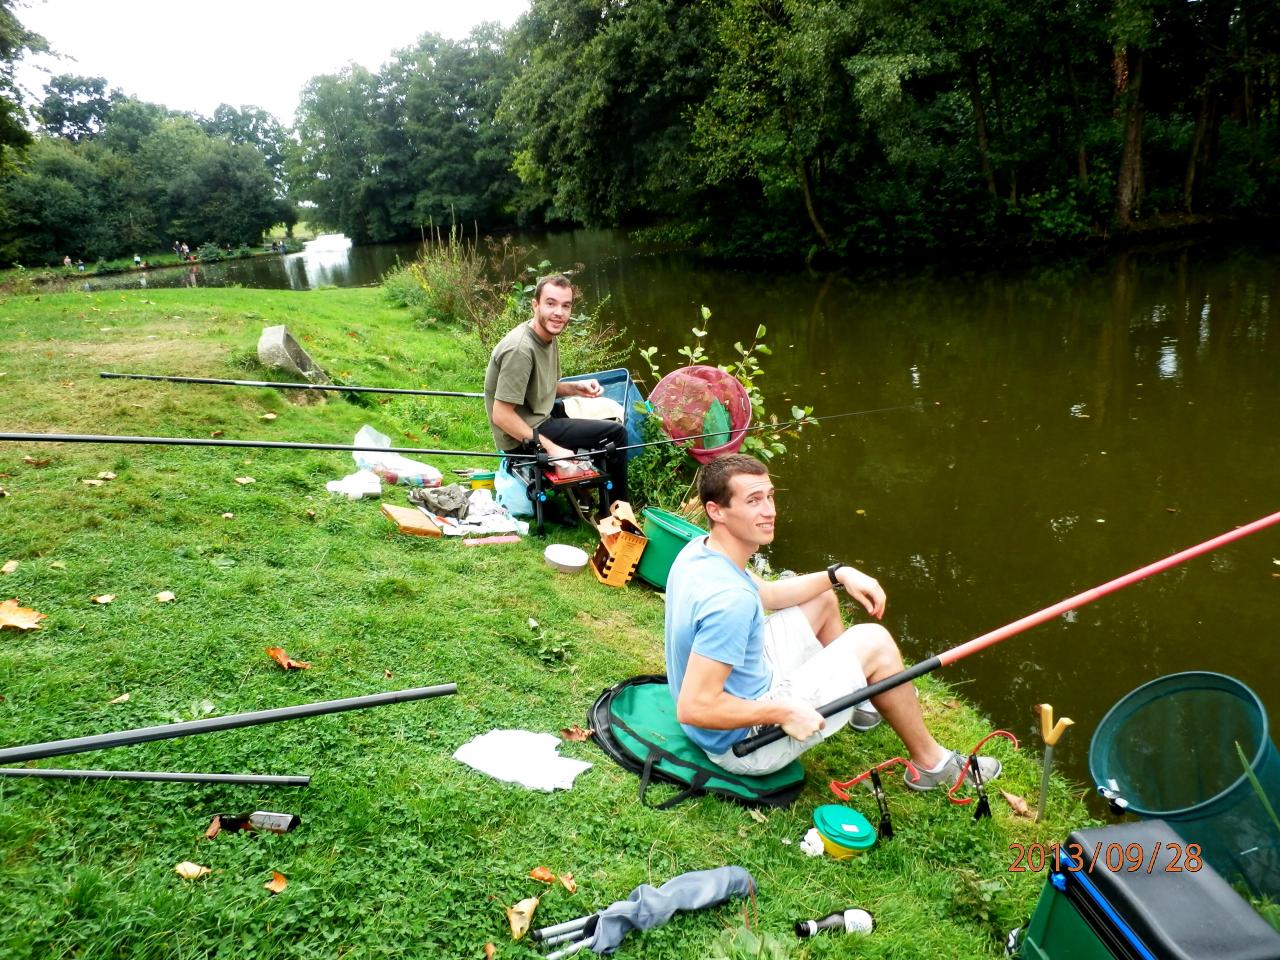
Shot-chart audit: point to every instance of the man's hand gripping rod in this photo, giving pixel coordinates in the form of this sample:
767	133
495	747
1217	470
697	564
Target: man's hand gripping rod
770	734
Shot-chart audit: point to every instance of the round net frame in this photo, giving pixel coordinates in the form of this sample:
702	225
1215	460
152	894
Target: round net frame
683	397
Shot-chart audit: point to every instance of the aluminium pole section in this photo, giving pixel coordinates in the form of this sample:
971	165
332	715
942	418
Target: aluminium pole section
247	779
168	731
288	386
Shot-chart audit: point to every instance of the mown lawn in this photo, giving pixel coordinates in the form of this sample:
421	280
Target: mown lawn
402	851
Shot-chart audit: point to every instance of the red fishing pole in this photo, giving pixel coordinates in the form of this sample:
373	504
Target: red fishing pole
770	734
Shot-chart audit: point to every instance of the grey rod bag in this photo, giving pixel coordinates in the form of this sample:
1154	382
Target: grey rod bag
649	906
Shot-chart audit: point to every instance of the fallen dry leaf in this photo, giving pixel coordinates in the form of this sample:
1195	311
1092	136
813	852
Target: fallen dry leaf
489	951
567	881
575	733
311	514
215	433
166	596
542	874
287	662
267	416
106	475
215	826
520	916
9	567
245	480
3	492
32	461
123	698
190	871
277	883
104	598
757	816
387	674
19	618
93	483
1020	807
228	516
951	704
57	565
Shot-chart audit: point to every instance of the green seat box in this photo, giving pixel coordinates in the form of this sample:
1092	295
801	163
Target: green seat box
1090	912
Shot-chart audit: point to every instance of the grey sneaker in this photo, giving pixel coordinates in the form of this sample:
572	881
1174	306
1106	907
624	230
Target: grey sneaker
865	717
950	772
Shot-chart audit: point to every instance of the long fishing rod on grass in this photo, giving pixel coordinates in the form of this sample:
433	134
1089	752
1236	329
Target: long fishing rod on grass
253	444
288	386
771	734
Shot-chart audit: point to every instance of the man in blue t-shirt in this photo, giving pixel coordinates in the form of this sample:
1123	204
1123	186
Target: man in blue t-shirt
731	668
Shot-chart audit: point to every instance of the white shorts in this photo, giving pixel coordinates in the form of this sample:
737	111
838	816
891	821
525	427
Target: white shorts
803	669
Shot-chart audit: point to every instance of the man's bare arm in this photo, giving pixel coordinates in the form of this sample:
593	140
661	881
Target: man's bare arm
793	591
704	703
508	421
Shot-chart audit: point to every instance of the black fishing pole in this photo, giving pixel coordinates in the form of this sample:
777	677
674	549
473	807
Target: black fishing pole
288	386
254	444
242	779
168	731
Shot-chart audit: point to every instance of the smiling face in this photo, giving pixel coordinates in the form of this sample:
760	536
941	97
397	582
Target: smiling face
747	517
551	311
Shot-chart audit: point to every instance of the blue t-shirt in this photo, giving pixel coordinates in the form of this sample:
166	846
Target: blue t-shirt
713	609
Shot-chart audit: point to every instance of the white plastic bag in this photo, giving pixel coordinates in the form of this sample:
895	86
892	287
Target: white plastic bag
511	492
392	467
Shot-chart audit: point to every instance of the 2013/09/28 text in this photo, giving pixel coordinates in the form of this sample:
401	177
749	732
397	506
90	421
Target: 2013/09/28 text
1115	857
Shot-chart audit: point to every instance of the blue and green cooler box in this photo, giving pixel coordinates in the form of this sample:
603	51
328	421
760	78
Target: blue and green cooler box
1091	911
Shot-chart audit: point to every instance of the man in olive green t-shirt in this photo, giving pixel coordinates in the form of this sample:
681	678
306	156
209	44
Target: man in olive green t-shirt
523	381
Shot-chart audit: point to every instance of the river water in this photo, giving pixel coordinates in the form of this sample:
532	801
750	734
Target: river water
1065	425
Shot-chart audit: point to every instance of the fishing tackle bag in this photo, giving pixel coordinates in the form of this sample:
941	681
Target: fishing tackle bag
634	722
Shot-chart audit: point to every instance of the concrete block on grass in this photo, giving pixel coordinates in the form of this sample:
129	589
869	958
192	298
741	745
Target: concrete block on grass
278	349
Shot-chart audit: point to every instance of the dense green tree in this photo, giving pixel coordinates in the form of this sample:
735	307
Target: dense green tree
602	106
453	153
383	155
75	108
223	195
15	41
333	166
256	128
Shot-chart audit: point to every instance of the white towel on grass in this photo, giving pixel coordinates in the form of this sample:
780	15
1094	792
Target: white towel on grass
523	757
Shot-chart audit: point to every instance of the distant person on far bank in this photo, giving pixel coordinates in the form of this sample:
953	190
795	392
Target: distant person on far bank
522	383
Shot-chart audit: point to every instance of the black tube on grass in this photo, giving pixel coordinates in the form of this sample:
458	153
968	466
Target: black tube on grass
252	779
260	444
289	386
168	731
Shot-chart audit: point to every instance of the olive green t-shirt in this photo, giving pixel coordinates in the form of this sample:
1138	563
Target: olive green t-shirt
523	371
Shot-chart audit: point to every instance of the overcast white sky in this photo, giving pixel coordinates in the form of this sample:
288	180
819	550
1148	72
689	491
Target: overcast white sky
193	56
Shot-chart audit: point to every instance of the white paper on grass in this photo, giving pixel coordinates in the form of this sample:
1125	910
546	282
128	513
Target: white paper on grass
523	757
362	483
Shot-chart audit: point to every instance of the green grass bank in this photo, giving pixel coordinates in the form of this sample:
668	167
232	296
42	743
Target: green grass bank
402	851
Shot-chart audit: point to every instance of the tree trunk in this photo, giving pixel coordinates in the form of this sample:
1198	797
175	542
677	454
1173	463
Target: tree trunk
980	122
1198	146
808	205
1077	125
1128	67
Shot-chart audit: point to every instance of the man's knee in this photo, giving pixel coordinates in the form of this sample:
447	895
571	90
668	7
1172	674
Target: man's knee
878	650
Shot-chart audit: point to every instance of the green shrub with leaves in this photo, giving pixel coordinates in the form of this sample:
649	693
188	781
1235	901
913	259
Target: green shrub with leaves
663	475
210	253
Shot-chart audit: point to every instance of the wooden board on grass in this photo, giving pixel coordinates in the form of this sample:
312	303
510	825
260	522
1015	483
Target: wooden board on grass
411	521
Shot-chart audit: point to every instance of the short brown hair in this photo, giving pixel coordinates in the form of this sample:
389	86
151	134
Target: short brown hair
553	280
713	481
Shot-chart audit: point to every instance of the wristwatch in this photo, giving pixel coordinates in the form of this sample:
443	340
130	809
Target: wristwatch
831	574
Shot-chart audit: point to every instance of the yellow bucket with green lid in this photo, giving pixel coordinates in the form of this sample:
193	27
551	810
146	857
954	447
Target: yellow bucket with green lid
844	831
